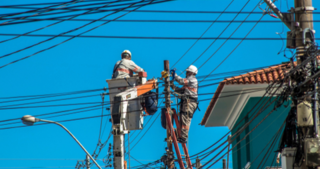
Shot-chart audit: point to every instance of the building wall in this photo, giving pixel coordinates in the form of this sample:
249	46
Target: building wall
259	141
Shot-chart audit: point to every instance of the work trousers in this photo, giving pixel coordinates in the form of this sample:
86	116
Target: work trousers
187	109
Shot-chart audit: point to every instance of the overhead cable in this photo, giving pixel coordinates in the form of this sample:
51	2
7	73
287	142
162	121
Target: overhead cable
93	12
69	38
72	30
222	33
45	10
231	51
202	35
52	24
158	20
142	37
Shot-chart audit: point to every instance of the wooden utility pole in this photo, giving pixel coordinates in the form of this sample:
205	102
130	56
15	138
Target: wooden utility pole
170	156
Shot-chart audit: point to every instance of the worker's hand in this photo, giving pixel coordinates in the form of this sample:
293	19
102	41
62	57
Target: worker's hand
173	87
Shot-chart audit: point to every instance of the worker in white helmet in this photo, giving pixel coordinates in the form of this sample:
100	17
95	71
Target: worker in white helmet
189	101
124	68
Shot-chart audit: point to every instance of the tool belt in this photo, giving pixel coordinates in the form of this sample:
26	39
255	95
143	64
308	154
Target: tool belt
187	101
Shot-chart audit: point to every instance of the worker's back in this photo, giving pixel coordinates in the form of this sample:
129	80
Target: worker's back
124	69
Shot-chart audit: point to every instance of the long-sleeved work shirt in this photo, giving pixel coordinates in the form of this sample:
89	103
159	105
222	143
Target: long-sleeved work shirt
125	68
190	85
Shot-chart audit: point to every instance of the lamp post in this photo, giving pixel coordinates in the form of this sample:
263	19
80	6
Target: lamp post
30	120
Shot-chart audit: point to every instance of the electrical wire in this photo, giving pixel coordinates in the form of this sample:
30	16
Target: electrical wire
199	12
55	23
145	37
232	50
72	30
202	34
219	37
48	10
157	21
69	38
98	11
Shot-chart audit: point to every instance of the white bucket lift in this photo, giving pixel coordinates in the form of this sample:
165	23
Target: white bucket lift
126	110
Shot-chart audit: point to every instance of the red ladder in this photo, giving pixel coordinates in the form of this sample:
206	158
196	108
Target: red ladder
175	142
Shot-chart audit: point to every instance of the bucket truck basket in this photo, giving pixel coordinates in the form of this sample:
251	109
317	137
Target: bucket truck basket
126	98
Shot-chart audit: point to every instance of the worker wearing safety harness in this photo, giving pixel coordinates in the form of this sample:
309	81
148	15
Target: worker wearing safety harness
124	68
189	100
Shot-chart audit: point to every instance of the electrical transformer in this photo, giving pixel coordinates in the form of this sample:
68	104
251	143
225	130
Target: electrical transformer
304	114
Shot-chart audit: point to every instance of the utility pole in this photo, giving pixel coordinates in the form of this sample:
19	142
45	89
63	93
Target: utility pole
88	162
170	156
306	109
300	141
224	165
198	164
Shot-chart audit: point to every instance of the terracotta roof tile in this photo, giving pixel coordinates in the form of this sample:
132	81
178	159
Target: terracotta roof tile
247	80
267	75
270	77
258	77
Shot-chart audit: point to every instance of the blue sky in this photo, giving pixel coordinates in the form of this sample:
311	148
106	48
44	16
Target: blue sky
85	64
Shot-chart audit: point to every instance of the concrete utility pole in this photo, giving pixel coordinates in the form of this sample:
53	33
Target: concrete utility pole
307	109
198	164
88	162
302	152
170	156
224	164
304	34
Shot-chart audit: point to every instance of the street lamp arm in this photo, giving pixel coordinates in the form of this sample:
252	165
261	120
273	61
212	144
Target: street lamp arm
48	121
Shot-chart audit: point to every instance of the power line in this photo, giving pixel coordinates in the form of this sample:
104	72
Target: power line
202	34
48	3
146	37
54	23
166	21
197	12
231	51
48	10
72	30
96	12
69	38
222	33
53	94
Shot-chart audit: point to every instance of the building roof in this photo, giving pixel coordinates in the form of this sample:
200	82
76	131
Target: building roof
263	76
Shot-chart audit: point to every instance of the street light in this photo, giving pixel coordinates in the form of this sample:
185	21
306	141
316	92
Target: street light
30	120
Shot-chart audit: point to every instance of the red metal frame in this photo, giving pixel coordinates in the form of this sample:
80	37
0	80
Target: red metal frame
185	149
175	142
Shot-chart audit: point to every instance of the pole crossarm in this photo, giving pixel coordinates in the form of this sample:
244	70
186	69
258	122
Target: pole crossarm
285	18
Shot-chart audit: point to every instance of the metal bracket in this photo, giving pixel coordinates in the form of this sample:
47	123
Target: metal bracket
305	33
305	8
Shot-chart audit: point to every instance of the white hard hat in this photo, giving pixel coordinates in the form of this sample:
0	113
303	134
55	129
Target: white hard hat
192	69
126	51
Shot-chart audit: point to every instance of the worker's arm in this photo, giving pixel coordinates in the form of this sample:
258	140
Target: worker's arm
177	89
181	81
134	67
